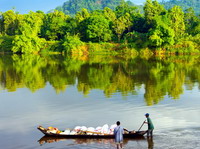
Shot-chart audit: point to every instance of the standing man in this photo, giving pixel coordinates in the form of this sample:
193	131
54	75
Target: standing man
118	132
150	126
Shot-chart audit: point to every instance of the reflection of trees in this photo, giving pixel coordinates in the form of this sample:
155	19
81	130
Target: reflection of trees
121	82
192	72
60	72
9	78
176	84
160	77
29	68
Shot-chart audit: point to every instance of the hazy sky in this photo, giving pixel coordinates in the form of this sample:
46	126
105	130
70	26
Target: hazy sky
24	6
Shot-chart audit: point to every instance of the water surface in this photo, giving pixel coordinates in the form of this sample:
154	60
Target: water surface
92	91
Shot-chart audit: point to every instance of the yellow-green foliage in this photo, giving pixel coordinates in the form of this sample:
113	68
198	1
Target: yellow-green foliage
27	44
188	45
71	44
101	48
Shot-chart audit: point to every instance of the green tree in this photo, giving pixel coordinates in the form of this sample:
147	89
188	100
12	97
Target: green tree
124	8
109	14
152	9
161	34
9	22
71	43
81	15
71	26
31	23
192	22
121	24
27	44
28	41
54	26
176	16
96	28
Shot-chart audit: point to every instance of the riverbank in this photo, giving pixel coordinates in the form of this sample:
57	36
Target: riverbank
74	46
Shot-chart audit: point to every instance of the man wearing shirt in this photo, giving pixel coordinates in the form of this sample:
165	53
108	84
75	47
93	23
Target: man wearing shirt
118	132
150	126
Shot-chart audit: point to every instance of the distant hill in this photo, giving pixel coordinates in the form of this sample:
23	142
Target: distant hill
72	6
185	4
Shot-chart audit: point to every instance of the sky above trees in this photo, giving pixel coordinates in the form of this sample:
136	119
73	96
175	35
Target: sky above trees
24	6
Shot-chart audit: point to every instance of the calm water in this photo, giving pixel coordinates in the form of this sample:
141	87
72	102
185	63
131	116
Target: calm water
92	91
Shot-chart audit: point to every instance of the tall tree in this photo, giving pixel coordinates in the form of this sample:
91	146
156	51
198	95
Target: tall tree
81	15
31	23
176	16
96	28
54	26
27	41
192	22
152	9
109	14
9	22
161	34
121	24
124	8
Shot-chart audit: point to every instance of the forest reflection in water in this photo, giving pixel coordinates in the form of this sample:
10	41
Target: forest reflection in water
111	74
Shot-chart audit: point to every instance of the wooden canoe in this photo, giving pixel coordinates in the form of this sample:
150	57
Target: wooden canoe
130	134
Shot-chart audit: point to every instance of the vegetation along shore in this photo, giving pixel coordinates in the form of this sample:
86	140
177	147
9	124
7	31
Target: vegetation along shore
125	28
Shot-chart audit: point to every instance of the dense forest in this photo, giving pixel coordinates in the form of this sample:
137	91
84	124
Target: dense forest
120	30
185	4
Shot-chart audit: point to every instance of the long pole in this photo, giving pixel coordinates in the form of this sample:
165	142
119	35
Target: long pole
141	125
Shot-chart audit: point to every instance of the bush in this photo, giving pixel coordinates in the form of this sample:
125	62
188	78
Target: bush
71	43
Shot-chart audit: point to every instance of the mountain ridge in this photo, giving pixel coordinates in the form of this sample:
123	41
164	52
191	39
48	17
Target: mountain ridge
71	7
185	4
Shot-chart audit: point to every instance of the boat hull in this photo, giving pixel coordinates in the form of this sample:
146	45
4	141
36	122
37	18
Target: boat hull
136	134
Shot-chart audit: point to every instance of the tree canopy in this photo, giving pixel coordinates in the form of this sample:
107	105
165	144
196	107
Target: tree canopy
170	30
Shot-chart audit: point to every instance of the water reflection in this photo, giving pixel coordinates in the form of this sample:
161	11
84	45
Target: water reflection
160	77
79	141
96	142
150	143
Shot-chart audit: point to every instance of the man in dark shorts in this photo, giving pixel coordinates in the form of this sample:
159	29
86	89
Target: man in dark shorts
150	126
118	132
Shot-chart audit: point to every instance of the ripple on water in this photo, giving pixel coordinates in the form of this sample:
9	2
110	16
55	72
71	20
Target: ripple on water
178	139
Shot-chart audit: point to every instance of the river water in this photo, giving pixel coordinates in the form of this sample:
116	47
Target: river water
92	91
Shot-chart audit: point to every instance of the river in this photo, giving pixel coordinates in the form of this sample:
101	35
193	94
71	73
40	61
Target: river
65	92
